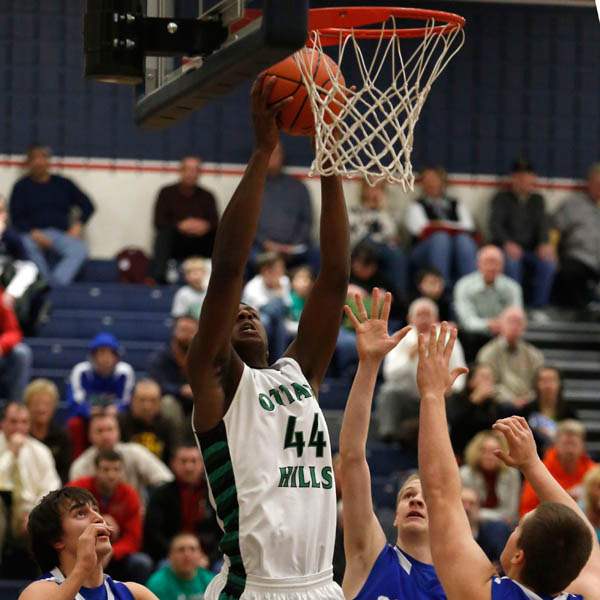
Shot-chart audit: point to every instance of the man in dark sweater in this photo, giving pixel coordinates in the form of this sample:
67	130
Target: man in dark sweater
143	423
181	506
41	209
286	218
519	224
185	218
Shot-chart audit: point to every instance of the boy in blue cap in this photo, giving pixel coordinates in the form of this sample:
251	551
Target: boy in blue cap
103	383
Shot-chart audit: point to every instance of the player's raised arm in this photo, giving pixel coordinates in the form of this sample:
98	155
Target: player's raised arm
213	367
523	455
363	536
462	567
321	317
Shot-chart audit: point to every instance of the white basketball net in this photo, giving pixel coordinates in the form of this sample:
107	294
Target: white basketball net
367	130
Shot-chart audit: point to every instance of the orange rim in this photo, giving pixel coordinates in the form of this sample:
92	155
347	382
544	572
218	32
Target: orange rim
331	23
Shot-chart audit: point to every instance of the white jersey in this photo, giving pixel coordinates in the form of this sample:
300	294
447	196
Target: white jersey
271	482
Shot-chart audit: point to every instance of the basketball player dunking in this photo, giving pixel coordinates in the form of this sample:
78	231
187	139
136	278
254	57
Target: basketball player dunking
374	568
260	429
553	552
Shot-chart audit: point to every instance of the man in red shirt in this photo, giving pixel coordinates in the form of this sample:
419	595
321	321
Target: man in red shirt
15	356
120	506
567	461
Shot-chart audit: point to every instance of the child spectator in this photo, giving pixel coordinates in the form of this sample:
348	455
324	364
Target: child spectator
269	293
548	407
143	423
431	284
302	282
189	298
497	485
186	576
102	383
41	397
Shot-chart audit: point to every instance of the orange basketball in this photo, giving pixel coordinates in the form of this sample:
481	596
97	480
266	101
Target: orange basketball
297	117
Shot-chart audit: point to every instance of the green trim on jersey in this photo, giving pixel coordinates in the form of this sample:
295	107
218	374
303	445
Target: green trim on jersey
219	470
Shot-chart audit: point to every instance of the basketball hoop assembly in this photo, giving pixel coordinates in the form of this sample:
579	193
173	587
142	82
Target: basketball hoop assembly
366	128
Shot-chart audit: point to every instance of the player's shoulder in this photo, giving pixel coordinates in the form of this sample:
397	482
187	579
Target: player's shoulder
39	588
137	591
505	588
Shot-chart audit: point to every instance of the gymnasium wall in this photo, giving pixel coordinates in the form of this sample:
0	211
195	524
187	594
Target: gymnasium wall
526	83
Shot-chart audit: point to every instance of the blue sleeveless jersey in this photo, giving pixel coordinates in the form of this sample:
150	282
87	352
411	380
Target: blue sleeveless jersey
109	590
504	588
398	576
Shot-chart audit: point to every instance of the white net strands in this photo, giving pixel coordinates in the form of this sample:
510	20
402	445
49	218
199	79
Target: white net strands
366	128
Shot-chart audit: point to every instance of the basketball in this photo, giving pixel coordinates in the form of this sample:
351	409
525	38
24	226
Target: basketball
297	117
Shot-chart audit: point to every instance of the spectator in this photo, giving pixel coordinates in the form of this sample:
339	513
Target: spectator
431	284
371	222
519	224
480	297
15	355
567	462
185	218
181	506
442	229
591	486
17	271
102	383
143	423
302	282
41	208
475	409
398	400
189	298
286	218
167	368
186	576
142	468
27	473
578	221
269	293
497	486
41	398
120	507
547	408
490	535
513	361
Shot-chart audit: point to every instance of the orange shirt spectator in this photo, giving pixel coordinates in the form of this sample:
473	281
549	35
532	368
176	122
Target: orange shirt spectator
567	461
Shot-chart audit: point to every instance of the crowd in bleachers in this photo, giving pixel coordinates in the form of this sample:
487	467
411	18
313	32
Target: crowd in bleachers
126	435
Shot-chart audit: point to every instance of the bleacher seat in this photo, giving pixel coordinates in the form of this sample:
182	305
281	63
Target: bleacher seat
99	271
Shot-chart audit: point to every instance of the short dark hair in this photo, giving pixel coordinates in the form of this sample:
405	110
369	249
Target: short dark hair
557	544
428	271
365	253
108	455
31	150
45	523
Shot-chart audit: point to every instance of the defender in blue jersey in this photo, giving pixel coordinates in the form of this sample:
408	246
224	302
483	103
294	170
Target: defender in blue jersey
374	568
553	552
70	542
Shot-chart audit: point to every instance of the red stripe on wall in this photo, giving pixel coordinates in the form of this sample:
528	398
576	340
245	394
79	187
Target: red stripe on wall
140	168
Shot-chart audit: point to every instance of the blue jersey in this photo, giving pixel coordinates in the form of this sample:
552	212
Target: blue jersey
504	588
109	590
398	576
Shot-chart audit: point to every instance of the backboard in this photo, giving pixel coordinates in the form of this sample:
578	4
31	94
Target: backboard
173	88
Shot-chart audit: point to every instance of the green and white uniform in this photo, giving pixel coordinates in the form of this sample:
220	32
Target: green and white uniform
271	482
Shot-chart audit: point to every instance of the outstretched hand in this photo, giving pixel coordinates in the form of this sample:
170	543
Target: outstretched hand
434	377
372	339
522	451
264	117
